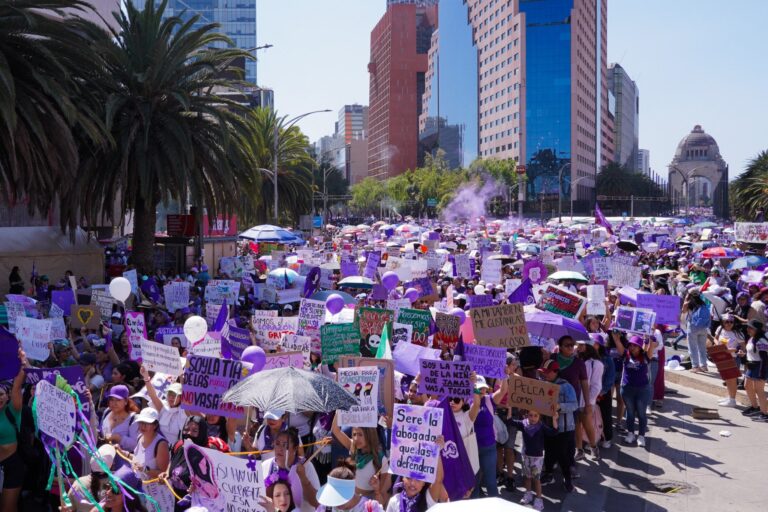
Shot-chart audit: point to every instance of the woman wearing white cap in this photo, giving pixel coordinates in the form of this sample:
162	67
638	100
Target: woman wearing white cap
151	455
340	494
95	484
171	416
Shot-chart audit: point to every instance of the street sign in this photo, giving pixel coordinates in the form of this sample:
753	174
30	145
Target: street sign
432	202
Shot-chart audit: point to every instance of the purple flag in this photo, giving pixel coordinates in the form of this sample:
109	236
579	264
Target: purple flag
523	294
312	282
9	352
458	477
149	287
221	326
600	219
458	352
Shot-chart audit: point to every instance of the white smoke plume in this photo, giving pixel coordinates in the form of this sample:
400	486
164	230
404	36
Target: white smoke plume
471	199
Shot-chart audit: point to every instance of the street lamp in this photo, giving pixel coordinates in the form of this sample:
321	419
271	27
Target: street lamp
287	126
685	177
572	185
560	192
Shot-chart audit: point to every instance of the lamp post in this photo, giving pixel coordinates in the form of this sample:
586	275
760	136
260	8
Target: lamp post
287	126
686	176
560	191
520	193
572	185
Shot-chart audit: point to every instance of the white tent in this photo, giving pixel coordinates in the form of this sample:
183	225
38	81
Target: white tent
52	253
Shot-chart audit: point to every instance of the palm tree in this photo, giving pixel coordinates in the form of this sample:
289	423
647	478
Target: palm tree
174	137
47	106
294	175
749	192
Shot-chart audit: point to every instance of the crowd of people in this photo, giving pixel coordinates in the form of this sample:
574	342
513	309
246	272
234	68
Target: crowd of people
609	378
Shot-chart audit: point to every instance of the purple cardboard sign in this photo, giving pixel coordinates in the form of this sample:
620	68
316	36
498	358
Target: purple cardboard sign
372	264
312	282
239	339
423	285
72	374
379	292
414	448
349	269
9	355
667	307
480	301
64	299
206	379
486	361
445	378
536	271
166	334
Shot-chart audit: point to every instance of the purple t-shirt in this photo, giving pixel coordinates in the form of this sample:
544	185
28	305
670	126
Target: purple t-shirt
574	374
635	372
484	425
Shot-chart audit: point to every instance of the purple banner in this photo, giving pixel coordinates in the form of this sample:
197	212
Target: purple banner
458	477
206	379
667	307
480	301
486	361
445	378
72	374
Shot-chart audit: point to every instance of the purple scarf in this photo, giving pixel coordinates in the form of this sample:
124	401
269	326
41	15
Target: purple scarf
531	430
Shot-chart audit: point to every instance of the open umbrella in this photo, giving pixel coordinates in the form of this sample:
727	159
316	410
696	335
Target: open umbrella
721	252
748	262
323	294
290	389
551	325
627	245
568	275
705	225
504	258
357	282
284	273
269	233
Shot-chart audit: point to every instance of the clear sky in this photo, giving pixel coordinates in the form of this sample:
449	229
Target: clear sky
694	61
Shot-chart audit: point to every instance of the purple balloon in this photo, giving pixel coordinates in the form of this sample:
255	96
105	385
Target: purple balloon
412	294
390	280
334	303
256	356
459	313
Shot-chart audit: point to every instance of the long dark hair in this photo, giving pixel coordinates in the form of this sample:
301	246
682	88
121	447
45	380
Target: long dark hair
590	352
271	492
421	503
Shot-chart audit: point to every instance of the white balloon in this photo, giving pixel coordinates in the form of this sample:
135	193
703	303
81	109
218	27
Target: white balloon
120	288
195	329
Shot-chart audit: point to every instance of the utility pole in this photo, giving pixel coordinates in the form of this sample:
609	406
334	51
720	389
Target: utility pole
520	194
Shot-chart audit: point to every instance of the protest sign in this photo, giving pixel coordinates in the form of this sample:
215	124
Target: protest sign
209	346
486	361
238	340
55	311
219	290
401	333
561	301
595	299
311	317
397	304
500	326
751	232
445	378
420	320
270	330
55	413
222	482
206	379
157	357
168	335
9	355
58	329
13	311
635	320
425	288
447	333
724	360
535	270
72	374
133	277
370	322
666	307
480	301
63	299
602	269
136	330
161	494
624	275
212	312
386	369
407	356
349	269
326	278
339	340
399	266
103	300
176	295
284	360
84	316
534	395
491	271
418	268
264	313
363	384
35	337
300	344
461	265
414	450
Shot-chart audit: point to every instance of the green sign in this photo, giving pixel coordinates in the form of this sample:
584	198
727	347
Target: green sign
337	340
420	320
432	202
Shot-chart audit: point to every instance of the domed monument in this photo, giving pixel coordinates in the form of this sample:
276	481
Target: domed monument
698	175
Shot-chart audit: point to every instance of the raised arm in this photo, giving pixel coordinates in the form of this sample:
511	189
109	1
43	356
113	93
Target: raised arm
339	434
157	404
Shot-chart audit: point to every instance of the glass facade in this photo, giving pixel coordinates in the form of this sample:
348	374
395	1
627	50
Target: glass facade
236	17
449	120
547	95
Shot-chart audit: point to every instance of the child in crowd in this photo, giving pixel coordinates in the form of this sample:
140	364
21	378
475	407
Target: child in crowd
534	432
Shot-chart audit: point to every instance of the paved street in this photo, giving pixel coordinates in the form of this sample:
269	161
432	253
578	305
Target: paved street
686	466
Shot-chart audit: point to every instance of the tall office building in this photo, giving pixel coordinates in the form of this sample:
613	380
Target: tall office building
353	122
237	20
626	126
347	148
397	67
643	161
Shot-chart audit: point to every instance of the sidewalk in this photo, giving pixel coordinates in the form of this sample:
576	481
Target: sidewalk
687	465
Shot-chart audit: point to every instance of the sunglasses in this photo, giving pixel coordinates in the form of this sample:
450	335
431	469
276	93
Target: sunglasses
456	400
569	345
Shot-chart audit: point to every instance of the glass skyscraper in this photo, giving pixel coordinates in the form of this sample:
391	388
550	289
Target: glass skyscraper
449	116
236	17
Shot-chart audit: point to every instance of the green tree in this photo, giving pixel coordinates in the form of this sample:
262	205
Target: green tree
749	191
174	137
367	196
294	163
47	105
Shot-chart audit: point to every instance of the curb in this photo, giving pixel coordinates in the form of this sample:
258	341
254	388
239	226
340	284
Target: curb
706	384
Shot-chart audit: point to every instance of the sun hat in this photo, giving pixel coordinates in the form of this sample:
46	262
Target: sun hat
147	415
120	392
755	324
636	340
336	492
674	365
598	338
274	414
174	388
107	454
480	383
117	315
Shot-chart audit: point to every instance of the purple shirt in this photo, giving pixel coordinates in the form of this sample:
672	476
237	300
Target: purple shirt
635	372
574	374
